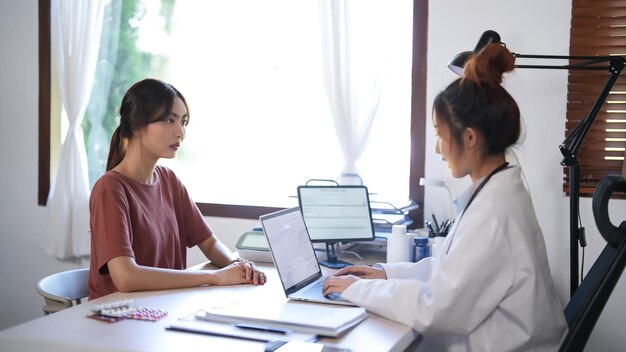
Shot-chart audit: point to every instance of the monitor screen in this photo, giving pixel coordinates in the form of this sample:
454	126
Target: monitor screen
336	213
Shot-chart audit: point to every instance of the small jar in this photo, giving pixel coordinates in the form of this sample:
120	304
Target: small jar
420	249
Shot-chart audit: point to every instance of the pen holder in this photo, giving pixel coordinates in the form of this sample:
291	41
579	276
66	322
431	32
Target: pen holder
438	230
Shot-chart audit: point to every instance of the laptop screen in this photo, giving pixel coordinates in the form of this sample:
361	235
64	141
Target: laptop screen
291	247
336	213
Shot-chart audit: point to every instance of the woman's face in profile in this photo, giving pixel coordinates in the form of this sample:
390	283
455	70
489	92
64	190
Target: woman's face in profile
448	149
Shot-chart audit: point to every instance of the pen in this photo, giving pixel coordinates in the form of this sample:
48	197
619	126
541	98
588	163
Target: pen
448	226
444	227
430	227
263	328
213	333
436	224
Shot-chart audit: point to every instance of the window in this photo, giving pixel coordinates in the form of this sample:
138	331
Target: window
598	28
240	61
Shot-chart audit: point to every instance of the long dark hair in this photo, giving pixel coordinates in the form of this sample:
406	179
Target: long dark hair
478	100
147	101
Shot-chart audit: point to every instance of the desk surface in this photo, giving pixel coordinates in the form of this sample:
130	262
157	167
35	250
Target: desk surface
71	330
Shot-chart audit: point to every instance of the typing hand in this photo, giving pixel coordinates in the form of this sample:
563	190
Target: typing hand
338	284
363	272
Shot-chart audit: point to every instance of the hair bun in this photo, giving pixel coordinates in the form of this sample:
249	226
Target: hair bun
488	66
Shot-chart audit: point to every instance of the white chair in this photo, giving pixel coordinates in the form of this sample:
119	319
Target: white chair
63	290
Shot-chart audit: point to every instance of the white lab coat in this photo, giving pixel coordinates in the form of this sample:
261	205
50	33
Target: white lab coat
491	292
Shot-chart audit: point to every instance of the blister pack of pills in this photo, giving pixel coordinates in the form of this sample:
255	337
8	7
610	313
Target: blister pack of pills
144	313
126	309
117	309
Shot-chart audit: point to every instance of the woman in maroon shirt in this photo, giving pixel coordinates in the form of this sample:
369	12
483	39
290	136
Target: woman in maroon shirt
141	217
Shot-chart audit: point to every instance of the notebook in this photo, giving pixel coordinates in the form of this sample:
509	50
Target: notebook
294	257
322	320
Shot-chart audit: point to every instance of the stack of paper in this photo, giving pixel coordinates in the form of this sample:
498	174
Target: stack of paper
385	215
318	319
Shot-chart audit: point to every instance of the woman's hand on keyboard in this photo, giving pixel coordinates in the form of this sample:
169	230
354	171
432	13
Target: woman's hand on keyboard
338	284
363	272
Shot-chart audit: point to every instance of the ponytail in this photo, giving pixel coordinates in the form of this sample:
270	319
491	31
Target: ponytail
117	150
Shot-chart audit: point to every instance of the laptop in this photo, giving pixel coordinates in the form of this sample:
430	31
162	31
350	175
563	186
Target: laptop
294	257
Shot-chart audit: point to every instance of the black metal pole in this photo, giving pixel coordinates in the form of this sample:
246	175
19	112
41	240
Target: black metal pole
574	196
574	184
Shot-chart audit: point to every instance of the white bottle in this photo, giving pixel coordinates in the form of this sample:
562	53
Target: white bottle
437	241
398	245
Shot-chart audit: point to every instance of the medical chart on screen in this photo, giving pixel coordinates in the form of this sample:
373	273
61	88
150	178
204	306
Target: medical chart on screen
291	248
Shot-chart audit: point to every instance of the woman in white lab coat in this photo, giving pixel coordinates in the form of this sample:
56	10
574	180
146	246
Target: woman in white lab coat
488	287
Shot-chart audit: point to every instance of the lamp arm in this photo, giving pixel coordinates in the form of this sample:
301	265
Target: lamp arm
569	153
564	57
572	143
588	64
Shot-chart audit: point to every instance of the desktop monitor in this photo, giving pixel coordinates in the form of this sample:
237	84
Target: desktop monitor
334	214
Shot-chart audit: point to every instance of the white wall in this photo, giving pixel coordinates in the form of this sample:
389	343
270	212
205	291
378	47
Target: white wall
455	25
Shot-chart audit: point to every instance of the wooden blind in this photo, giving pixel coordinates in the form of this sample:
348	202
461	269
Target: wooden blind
598	29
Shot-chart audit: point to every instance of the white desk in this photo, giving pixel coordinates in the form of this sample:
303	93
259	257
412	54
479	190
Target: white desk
70	330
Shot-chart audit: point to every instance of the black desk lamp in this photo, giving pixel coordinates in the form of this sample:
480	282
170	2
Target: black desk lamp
569	147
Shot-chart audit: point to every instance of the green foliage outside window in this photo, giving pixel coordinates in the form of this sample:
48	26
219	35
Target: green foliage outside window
120	64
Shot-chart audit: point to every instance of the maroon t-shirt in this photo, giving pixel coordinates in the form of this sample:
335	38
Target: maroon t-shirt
152	223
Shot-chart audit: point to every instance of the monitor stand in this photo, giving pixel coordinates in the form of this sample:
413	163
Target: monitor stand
331	258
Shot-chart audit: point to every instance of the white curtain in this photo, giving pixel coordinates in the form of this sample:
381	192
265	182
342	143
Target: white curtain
76	26
98	141
353	69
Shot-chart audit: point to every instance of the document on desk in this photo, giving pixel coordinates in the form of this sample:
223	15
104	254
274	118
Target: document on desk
305	318
258	333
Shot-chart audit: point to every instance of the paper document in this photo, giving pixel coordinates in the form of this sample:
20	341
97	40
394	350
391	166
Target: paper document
300	317
230	330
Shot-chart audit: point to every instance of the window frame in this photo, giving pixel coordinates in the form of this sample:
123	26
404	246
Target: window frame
418	120
44	102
